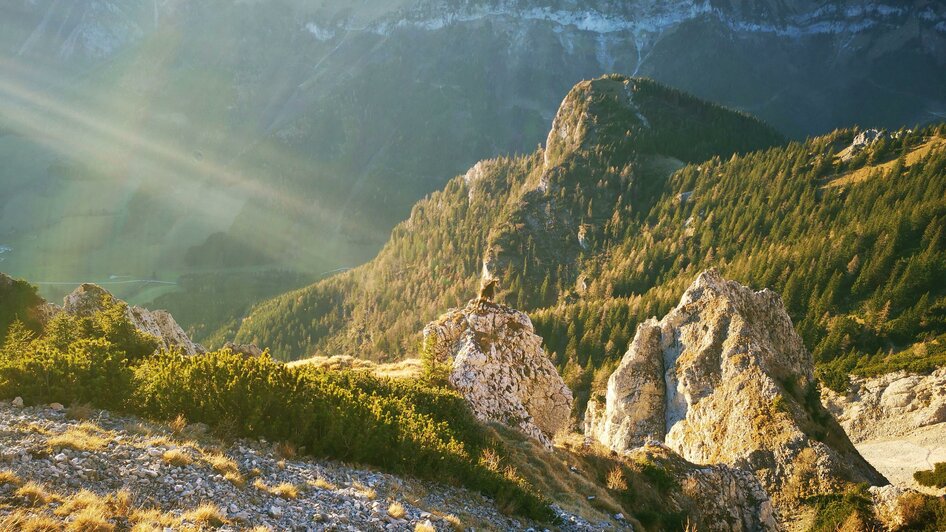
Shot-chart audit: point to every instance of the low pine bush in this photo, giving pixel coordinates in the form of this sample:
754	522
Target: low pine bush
401	427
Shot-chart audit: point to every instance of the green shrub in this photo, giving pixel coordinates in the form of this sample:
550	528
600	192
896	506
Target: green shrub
934	478
832	511
89	370
400	427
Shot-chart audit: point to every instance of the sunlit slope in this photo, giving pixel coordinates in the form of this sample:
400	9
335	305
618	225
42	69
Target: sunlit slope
537	221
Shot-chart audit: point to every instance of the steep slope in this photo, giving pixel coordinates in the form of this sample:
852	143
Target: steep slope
724	378
296	134
535	221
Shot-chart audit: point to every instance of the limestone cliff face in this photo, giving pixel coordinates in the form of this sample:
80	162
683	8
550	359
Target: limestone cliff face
88	298
725	379
889	406
499	366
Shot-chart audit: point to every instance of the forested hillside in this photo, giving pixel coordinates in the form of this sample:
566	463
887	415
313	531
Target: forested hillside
591	238
533	215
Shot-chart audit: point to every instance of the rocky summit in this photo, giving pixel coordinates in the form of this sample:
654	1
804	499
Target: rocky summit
499	366
725	379
89	298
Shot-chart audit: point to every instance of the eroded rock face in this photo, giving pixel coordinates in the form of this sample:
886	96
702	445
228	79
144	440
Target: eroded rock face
725	379
889	406
88	298
499	366
714	497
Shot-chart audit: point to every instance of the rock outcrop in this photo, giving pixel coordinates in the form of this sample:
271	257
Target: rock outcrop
725	379
499	366
890	405
715	497
89	298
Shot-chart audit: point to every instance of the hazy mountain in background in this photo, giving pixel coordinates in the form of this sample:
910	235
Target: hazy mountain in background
161	138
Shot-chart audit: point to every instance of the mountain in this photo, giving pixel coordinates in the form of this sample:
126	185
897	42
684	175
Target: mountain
592	237
155	138
531	220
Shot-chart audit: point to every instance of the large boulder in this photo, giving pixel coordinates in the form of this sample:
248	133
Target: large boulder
89	298
725	379
499	366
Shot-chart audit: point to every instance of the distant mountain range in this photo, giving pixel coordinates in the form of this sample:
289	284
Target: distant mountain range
167	137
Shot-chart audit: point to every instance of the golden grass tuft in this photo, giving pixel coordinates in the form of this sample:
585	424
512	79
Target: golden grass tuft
424	527
616	480
83	437
206	515
177	457
151	519
322	484
178	424
34	494
80	411
235	478
284	490
81	500
397	510
91	519
365	491
9	477
454	522
24	522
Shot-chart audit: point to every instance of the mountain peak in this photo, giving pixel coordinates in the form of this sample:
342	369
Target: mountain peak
640	115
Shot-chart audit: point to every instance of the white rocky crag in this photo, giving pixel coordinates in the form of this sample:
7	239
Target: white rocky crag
725	379
88	298
890	405
499	366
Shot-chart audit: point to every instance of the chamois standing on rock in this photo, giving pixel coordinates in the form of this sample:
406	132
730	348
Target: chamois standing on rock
487	292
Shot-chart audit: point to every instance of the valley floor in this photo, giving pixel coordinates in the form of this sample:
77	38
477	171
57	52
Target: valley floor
898	458
48	455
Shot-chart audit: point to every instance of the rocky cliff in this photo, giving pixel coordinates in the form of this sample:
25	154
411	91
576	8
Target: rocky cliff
499	366
88	298
890	405
725	379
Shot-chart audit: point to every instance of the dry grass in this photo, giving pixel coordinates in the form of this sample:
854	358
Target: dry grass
424	527
24	522
235	478
177	457
178	424
365	491
206	515
284	490
83	437
862	174
149	520
323	484
34	494
616	480
453	521
286	450
396	510
79	501
9	477
410	368
91	519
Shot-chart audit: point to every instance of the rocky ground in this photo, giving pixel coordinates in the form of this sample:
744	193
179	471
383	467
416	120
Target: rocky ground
901	456
176	469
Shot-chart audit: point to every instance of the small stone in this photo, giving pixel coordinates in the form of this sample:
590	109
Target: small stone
275	511
18	402
61	457
619	516
56	407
